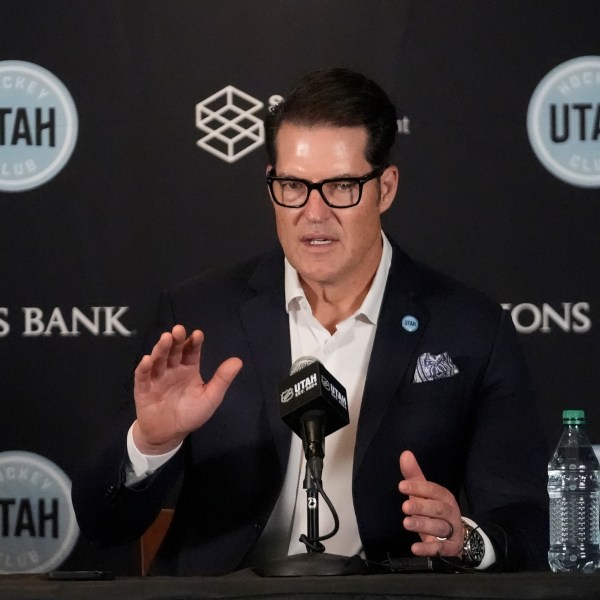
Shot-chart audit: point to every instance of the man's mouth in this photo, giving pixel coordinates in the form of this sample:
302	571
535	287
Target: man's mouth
317	240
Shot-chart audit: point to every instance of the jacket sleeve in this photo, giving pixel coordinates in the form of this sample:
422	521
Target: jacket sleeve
108	512
505	471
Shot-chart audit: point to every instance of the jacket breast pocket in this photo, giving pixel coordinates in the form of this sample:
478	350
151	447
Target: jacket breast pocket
448	387
431	416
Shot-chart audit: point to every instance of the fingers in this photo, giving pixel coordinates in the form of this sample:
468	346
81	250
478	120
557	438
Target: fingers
438	525
177	344
160	354
431	514
428	519
432	511
443	538
174	349
415	483
190	354
438	529
449	547
171	350
142	374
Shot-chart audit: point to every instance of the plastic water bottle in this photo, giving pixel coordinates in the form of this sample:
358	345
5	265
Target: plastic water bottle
574	497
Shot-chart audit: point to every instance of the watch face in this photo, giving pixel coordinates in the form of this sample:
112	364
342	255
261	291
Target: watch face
475	547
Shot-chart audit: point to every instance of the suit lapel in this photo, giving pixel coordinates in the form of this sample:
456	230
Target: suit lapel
393	348
266	325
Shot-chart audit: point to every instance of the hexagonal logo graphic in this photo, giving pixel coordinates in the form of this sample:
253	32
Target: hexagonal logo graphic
229	121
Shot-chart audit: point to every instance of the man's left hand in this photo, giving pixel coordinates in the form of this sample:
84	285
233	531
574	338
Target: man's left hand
432	512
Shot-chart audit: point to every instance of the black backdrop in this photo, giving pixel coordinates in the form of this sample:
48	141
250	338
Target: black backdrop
140	206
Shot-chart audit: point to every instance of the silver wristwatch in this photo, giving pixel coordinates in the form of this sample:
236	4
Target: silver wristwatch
473	545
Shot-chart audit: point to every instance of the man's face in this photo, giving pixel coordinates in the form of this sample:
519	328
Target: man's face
331	246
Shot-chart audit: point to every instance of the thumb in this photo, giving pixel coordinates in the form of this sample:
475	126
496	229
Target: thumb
223	376
409	467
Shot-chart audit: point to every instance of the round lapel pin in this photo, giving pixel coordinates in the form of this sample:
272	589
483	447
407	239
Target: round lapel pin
410	323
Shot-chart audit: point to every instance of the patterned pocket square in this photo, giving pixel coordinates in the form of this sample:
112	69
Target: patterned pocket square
434	366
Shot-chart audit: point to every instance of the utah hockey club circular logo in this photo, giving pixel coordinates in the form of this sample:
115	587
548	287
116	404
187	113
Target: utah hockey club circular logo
38	528
38	125
563	121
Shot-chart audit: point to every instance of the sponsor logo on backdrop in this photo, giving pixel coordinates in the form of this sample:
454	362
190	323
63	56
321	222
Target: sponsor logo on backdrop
563	121
38	125
38	528
231	126
99	321
569	317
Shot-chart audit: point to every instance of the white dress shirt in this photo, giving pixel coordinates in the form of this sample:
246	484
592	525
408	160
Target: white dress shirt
345	354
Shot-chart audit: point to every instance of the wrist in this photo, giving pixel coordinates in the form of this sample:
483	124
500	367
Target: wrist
478	551
150	448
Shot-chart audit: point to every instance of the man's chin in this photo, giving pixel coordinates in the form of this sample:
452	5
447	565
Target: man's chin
317	276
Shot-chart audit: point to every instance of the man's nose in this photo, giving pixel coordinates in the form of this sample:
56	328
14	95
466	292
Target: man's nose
315	209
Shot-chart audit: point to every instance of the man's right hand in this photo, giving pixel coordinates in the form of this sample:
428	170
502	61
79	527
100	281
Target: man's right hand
171	398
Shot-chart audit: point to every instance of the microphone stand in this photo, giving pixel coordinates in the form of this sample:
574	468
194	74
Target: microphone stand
316	562
312	515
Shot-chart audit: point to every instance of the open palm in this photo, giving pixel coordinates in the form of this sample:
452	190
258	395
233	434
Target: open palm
171	397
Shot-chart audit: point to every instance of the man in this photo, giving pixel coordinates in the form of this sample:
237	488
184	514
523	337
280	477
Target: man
439	399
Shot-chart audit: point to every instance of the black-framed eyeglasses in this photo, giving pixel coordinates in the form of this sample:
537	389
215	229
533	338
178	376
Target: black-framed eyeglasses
337	192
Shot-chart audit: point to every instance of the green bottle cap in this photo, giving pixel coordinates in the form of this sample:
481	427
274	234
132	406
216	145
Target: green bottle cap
573	417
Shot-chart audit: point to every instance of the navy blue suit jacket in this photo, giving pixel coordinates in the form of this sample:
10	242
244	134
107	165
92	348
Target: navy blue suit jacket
475	433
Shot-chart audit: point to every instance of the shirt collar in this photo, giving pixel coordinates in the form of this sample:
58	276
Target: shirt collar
371	305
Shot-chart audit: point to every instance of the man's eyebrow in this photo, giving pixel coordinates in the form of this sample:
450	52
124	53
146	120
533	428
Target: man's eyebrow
288	175
340	176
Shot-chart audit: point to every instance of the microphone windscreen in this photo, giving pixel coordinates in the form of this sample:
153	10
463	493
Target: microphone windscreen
302	362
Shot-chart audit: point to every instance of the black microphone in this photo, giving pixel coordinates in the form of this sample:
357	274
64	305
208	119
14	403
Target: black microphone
313	404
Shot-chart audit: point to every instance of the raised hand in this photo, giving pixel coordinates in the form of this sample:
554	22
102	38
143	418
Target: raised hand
171	398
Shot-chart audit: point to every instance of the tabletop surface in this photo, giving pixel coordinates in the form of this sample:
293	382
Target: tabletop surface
247	585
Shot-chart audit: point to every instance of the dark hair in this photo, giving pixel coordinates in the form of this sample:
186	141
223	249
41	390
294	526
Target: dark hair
341	98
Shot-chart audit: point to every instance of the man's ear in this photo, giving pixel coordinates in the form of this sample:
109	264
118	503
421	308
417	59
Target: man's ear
388	186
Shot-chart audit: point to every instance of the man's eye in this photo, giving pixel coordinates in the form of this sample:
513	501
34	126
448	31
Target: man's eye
291	185
342	186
